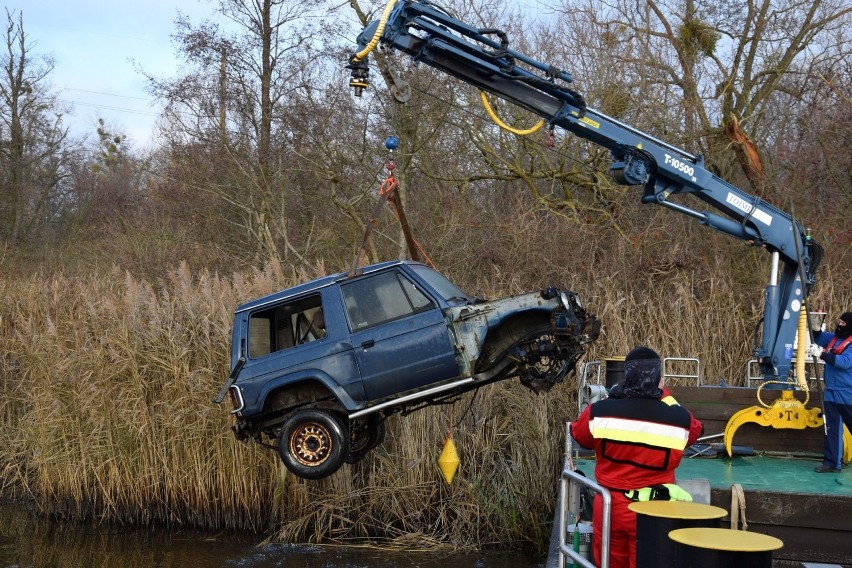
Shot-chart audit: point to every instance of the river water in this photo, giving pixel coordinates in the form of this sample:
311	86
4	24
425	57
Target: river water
31	541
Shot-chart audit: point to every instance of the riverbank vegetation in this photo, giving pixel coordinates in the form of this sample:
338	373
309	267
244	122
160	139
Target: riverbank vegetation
120	271
107	414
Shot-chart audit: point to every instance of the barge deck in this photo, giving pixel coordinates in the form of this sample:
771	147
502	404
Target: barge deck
784	497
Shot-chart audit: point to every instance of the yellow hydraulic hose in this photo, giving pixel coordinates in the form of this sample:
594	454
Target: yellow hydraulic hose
379	30
358	57
502	124
801	349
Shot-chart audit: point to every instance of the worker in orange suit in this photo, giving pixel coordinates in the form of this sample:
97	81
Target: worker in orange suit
638	441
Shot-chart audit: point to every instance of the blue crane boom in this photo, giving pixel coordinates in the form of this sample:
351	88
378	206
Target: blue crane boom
483	58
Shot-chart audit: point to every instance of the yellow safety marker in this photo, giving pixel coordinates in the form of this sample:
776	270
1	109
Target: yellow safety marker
449	460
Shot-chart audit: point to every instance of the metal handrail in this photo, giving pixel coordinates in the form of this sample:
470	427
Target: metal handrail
588	368
568	477
696	375
752	364
591	369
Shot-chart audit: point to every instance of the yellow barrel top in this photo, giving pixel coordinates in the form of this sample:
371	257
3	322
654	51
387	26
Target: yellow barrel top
677	510
726	539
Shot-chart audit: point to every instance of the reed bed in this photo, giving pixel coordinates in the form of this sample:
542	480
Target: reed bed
106	410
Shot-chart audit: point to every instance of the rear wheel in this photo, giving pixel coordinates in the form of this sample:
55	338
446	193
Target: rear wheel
365	438
313	443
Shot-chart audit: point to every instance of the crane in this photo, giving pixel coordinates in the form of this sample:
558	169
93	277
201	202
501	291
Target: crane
483	58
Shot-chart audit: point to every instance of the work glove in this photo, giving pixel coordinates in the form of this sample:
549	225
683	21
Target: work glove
676	493
664	492
814	350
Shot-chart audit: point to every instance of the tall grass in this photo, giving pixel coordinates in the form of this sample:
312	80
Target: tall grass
106	411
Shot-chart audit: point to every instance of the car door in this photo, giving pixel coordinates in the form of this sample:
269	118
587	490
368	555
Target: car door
399	334
289	341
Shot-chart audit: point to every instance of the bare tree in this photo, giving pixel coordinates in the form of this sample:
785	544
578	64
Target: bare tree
720	65
33	141
810	152
222	112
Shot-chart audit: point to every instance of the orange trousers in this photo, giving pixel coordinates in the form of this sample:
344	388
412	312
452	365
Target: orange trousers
622	534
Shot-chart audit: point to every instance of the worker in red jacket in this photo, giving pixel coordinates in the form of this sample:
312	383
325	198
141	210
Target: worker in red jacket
638	441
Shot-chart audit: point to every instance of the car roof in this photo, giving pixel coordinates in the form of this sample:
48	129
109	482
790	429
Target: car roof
317	284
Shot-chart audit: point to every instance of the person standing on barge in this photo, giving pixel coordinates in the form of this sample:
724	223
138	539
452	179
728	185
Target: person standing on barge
638	440
835	351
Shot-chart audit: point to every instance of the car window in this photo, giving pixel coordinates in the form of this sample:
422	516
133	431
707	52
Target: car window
439	282
286	325
372	300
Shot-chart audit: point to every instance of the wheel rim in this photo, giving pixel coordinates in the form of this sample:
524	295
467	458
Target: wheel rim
544	368
311	444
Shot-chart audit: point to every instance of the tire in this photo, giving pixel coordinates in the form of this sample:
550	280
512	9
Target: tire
313	443
365	441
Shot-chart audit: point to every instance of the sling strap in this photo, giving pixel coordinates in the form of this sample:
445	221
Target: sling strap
738	507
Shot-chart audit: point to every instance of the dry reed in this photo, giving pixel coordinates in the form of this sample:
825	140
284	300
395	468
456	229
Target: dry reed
106	411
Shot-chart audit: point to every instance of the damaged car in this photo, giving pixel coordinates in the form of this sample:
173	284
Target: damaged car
317	368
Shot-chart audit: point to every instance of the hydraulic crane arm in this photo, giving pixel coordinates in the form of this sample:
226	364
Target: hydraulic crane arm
483	58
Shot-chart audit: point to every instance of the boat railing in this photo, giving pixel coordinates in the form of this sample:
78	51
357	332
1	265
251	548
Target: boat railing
686	371
590	373
754	375
676	370
682	370
569	485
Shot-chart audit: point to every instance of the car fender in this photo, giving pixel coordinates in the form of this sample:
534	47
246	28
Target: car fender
290	380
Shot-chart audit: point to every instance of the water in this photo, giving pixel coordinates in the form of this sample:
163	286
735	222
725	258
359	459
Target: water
30	541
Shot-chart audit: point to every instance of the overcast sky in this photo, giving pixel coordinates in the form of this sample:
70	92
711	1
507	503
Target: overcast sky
93	43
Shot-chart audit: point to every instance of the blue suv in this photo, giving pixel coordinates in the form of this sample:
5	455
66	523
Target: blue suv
318	367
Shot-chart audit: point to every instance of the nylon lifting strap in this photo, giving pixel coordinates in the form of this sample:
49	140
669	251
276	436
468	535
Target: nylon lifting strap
385	192
738	507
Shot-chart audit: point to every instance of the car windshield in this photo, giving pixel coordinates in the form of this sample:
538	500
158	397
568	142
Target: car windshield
440	284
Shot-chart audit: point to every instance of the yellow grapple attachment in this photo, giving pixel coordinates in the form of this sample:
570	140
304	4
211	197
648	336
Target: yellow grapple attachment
785	412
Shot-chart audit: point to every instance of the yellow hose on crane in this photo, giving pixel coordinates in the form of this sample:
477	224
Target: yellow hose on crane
502	124
801	349
379	30
358	57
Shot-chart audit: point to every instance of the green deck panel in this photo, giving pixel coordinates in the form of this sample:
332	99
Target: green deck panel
786	499
767	473
757	473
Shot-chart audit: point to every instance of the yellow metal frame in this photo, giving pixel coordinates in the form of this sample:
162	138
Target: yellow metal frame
786	412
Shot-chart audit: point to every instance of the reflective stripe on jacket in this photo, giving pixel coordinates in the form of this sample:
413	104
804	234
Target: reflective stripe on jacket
637	442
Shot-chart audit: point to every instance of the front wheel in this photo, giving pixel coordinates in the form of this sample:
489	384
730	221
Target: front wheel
500	342
313	443
533	351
